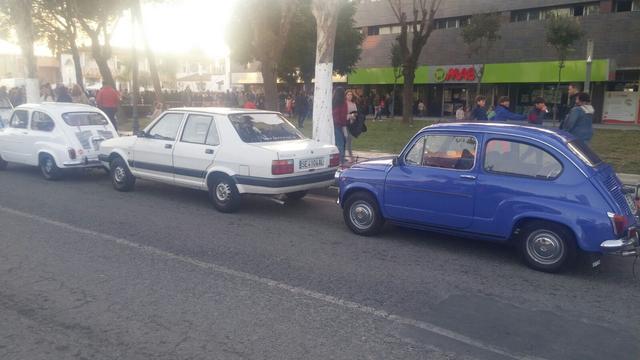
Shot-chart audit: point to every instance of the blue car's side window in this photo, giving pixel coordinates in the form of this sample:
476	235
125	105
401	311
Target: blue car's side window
520	159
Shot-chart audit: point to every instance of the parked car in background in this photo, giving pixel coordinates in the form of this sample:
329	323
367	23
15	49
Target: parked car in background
227	152
55	137
5	111
541	189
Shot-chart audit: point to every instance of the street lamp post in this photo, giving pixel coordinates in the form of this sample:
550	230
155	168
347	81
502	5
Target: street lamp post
587	81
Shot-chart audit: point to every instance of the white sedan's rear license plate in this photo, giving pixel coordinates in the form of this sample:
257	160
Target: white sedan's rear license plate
311	163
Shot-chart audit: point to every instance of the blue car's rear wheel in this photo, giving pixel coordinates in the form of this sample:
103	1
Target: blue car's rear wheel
546	246
362	214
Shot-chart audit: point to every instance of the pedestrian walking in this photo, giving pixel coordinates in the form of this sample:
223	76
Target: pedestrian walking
340	110
503	113
479	113
46	94
579	122
538	113
378	110
108	100
352	116
78	96
460	115
301	108
422	109
250	103
62	94
157	110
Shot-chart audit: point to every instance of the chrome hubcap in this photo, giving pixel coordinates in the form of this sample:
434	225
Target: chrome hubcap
361	215
119	174
48	165
223	192
545	247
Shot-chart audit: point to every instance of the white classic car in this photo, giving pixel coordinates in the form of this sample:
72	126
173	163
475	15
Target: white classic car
54	136
226	152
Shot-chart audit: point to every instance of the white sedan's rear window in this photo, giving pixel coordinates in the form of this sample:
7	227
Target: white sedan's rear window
84	118
256	128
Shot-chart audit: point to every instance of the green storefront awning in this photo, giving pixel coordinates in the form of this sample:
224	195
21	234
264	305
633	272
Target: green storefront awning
511	73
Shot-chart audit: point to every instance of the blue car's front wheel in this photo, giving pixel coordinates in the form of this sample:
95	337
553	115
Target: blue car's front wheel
362	214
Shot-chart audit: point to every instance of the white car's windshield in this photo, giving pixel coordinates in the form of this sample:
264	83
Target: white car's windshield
267	127
84	119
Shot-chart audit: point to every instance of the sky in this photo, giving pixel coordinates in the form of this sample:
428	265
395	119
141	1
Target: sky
176	26
172	26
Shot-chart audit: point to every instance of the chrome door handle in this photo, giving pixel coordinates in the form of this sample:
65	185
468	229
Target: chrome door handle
468	177
168	146
208	151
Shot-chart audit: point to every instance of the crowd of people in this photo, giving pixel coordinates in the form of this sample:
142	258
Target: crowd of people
578	121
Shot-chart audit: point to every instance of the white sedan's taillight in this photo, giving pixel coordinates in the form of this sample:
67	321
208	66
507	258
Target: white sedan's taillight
334	160
281	167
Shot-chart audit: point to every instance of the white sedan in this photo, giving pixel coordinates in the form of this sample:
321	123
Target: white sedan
227	152
55	137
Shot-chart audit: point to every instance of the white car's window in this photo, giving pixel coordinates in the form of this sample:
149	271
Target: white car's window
264	127
200	129
514	158
19	119
87	118
41	122
167	127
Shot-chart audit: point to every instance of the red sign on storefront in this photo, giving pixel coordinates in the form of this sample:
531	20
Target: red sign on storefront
459	73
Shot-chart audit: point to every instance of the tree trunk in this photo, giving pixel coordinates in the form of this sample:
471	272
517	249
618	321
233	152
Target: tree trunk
76	64
21	13
270	84
407	96
103	67
153	69
326	14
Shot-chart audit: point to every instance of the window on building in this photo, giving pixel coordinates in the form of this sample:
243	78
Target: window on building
526	15
627	5
384	30
373	30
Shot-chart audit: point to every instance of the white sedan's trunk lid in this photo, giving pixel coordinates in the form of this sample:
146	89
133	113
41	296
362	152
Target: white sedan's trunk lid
307	154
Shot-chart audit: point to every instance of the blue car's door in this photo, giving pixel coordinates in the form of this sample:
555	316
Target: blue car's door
434	181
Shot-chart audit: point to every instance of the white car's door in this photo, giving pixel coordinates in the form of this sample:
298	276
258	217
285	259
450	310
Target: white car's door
14	142
153	153
195	152
41	132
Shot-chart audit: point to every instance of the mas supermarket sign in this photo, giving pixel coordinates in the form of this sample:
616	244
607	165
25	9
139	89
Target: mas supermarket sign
456	74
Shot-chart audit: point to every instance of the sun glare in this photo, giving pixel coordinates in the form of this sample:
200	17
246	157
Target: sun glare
181	25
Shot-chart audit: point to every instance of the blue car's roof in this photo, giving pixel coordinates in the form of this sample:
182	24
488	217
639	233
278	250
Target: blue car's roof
507	129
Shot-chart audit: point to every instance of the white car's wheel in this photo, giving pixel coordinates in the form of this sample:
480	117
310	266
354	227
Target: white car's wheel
49	169
224	194
121	177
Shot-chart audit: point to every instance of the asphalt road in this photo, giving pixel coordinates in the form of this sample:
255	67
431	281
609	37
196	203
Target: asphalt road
90	273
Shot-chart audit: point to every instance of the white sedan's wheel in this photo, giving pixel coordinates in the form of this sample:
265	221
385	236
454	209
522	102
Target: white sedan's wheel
224	194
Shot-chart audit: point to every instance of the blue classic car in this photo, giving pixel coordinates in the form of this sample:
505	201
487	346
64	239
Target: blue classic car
540	189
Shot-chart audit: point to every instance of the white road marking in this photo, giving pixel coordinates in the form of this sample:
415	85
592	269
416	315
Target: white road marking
280	285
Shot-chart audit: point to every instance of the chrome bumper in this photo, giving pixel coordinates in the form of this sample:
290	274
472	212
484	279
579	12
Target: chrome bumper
627	246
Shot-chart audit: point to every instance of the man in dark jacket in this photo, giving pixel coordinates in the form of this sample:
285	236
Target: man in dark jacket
479	113
579	122
539	112
503	113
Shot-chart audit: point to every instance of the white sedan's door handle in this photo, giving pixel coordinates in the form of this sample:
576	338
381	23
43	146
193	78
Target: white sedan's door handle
208	151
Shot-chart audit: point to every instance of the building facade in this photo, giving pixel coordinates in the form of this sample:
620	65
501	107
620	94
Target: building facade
519	64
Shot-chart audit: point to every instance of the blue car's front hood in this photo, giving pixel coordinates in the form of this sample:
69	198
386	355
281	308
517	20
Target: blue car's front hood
375	164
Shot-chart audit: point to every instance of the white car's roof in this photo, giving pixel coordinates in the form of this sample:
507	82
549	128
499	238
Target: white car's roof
56	108
222	110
